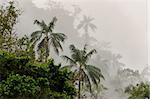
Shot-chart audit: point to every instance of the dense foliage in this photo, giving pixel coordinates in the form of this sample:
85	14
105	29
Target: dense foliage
16	86
28	79
8	19
23	75
140	91
27	70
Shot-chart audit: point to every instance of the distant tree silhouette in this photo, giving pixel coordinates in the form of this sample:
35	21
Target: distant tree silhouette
87	24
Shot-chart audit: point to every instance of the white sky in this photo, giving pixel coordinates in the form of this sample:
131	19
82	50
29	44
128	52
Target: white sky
121	22
148	31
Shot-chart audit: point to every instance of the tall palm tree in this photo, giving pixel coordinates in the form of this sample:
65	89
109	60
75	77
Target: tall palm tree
45	37
86	74
87	24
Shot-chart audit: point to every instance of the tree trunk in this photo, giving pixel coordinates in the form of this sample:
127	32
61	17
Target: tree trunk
46	46
87	38
79	86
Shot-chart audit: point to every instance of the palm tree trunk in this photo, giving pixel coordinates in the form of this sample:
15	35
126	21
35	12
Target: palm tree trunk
86	38
47	51
79	86
79	89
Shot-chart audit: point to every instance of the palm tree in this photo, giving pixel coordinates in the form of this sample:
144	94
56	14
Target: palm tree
86	25
45	37
86	74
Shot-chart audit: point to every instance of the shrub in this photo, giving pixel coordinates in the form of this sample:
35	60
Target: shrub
18	86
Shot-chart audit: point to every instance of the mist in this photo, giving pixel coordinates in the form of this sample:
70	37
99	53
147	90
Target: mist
122	23
120	36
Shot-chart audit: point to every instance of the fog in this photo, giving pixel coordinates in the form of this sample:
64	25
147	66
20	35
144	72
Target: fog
121	36
123	23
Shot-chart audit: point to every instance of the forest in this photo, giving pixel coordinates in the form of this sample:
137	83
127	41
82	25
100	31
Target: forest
28	67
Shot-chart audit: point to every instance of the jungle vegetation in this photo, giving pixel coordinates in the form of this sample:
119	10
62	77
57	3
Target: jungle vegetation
29	71
24	75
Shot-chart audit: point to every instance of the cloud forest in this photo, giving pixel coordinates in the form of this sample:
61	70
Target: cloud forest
58	58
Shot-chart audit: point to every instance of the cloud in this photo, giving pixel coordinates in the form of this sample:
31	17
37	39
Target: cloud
123	23
41	3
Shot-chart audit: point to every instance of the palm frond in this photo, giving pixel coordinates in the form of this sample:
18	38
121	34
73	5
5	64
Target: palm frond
77	55
86	28
80	25
67	67
85	17
86	24
59	36
89	54
68	59
90	19
95	71
56	44
74	50
52	24
59	46
85	48
86	80
54	19
92	26
42	24
92	77
56	39
94	74
37	22
35	39
35	34
41	44
72	47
